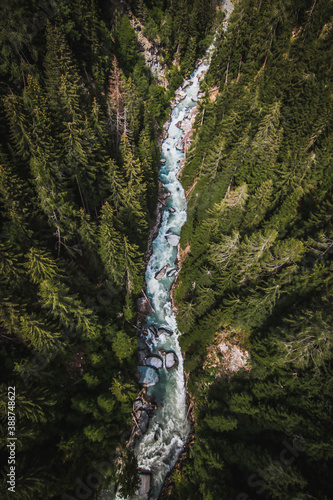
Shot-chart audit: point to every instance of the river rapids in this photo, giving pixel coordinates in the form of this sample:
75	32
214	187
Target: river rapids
158	449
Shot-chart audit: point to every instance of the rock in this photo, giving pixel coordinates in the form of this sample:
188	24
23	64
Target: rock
142	344
154	362
182	163
151	52
143	306
143	420
142	356
171	360
145	485
172	239
153	330
143	350
172	210
163	330
172	272
180	94
165	196
137	404
148	376
160	274
163	162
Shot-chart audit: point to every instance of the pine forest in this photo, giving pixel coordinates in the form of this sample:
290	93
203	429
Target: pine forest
83	114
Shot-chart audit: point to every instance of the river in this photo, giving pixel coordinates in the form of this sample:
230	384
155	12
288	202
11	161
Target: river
158	449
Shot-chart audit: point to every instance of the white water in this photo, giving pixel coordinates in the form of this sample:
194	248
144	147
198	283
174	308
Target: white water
158	449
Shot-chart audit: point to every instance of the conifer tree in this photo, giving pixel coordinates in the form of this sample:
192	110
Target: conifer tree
11	266
41	265
14	199
109	243
116	107
308	340
19	125
258	204
133	213
130	262
212	161
133	107
266	143
67	308
62	78
221	253
39	335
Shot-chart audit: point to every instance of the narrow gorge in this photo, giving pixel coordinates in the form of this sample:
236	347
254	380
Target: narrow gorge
166	246
161	362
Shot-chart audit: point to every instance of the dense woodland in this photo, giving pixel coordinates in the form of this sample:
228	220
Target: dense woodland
80	116
258	247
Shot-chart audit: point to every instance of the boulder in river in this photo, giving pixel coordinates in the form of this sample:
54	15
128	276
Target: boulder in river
142	356
142	346
153	330
171	360
154	361
172	272
143	306
179	96
163	161
145	484
164	331
163	197
161	273
148	376
143	420
137	404
143	350
172	210
172	239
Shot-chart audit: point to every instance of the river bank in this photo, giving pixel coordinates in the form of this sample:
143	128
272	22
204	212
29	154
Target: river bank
158	449
165	438
169	482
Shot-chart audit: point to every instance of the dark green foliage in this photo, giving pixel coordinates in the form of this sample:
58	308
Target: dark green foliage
259	259
78	183
181	27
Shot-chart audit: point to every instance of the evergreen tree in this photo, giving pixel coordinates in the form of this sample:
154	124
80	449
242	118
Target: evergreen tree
116	93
